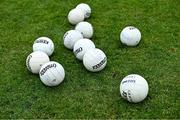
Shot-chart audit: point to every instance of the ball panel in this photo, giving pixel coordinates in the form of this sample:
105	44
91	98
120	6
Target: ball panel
54	81
45	80
61	71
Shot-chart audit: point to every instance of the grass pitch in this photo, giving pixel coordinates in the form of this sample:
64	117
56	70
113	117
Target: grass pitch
84	94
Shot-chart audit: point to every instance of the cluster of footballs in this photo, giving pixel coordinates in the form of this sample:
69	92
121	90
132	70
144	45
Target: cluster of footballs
133	88
79	41
51	73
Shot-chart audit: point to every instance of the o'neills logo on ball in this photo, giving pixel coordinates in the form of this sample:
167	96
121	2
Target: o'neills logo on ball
46	68
128	81
127	95
42	41
88	14
65	35
124	94
132	28
100	64
78	50
27	62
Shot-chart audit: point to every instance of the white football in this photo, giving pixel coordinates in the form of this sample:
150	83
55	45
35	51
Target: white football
75	16
71	37
134	88
94	60
130	36
35	60
44	44
85	28
52	73
81	47
85	8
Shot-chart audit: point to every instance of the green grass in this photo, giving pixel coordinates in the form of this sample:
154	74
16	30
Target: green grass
84	94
